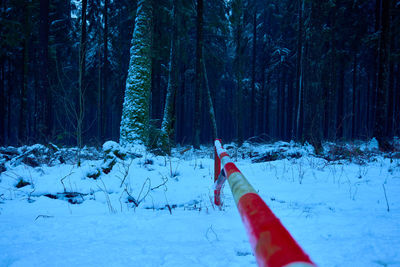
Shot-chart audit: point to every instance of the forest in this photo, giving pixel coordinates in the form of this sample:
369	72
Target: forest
131	129
301	70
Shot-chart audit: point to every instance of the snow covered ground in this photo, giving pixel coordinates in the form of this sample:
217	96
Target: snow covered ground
158	210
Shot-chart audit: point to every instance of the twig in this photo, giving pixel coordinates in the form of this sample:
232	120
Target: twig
43	216
384	191
169	208
62	180
158	186
110	207
210	229
148	190
186	149
126	172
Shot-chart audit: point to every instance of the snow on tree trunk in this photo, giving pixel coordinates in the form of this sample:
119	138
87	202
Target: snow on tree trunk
135	112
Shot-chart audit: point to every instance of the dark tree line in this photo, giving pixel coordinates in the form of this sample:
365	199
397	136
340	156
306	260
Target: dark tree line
299	69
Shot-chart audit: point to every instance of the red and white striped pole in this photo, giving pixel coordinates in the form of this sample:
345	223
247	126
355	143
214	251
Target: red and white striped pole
271	242
217	171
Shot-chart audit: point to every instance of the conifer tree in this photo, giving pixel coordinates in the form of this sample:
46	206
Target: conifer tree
135	114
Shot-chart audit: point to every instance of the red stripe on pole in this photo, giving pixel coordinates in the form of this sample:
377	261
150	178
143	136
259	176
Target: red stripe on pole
230	168
217	171
272	243
223	154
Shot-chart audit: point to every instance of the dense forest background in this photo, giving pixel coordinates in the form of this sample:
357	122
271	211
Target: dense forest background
277	69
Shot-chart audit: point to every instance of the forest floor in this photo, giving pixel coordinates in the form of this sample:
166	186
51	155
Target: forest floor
126	207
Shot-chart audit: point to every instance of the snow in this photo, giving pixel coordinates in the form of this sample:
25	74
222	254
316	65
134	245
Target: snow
335	210
373	144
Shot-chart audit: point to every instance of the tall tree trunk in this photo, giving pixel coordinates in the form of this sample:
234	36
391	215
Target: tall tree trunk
289	108
283	104
44	101
326	110
253	107
135	115
9	99
2	102
390	110
261	119
299	67
100	105
397	101
354	115
266	111
82	70
106	102
383	78
169	109
22	133
182	106
340	102
198	89
279	103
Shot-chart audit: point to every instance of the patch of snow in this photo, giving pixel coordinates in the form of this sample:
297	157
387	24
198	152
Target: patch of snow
158	210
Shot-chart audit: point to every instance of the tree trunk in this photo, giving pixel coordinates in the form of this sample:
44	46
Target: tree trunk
2	102
135	115
383	79
289	109
354	115
253	107
169	109
9	99
261	119
22	133
397	101
283	104
198	81
100	107
82	69
340	103
106	102
390	110
279	103
299	66
43	109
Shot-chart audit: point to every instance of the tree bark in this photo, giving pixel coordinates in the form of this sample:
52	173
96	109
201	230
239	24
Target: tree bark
22	133
82	70
383	79
198	81
299	67
253	107
44	112
169	109
2	102
340	103
354	113
106	102
135	122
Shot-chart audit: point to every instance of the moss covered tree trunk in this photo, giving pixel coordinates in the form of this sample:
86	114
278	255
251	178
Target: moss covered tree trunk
135	113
